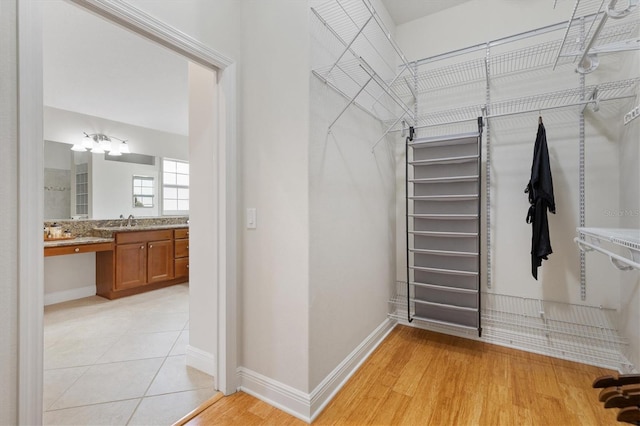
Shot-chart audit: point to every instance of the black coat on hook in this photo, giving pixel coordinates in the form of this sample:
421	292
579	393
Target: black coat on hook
540	190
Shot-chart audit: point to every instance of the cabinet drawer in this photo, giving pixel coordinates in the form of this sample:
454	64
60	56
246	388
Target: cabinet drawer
75	249
182	267
143	236
182	248
181	233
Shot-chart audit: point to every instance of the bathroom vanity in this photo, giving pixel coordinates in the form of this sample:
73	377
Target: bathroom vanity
132	259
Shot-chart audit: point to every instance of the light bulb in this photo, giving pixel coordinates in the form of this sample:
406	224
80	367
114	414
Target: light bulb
87	142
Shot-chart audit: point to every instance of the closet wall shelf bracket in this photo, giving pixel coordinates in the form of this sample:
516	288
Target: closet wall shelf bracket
628	239
588	32
632	115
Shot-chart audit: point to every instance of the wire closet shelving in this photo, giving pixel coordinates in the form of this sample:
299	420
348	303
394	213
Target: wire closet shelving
589	31
369	70
585	334
592	239
364	60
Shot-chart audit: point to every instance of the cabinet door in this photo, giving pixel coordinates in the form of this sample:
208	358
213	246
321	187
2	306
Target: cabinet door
182	267
131	265
159	261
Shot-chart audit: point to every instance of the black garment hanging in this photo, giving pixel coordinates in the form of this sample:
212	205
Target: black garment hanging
540	190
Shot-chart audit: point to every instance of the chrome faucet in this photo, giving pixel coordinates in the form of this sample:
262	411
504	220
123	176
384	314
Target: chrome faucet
129	220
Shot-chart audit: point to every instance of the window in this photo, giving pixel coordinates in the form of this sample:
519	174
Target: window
142	191
175	187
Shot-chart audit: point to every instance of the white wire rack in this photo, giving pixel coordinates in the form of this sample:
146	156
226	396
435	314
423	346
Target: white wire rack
581	333
591	239
363	60
475	70
610	91
589	32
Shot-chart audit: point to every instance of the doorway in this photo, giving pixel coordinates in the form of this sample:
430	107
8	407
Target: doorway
218	307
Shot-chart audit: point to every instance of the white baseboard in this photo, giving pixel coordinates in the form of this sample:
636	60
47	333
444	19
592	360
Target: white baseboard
327	389
279	395
66	295
307	406
201	360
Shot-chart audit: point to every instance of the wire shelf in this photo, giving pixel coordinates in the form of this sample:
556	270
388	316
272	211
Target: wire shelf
526	59
604	92
625	238
362	59
582	333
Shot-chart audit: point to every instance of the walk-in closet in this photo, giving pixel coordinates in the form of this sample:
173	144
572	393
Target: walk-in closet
462	124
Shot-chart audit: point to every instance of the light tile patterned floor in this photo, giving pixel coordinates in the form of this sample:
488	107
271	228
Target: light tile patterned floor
121	362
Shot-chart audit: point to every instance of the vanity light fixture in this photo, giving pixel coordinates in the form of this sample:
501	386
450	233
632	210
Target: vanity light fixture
99	143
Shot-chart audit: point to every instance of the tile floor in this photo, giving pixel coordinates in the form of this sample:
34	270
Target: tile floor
120	362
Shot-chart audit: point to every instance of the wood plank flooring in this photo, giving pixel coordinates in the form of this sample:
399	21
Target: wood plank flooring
417	377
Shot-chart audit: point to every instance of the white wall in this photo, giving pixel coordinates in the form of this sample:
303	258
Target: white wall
352	220
474	22
9	214
352	230
274	130
214	23
274	155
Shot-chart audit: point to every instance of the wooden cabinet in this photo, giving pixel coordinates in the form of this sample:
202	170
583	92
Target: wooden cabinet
141	261
131	265
159	261
181	254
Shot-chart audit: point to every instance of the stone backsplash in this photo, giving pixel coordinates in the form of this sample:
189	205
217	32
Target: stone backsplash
85	227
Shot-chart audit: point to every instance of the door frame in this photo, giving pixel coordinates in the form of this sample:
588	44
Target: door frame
31	196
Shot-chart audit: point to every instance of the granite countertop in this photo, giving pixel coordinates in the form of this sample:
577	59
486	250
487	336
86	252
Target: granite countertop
77	241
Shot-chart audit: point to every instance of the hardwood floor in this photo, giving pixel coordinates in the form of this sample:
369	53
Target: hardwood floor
417	377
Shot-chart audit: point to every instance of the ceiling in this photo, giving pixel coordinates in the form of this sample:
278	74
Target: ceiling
403	11
94	67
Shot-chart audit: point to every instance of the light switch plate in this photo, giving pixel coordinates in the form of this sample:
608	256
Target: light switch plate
251	218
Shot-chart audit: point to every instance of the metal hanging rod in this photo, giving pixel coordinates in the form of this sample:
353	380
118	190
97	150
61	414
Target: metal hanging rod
611	91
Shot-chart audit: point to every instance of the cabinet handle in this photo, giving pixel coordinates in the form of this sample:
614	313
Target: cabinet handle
187	266
150	245
141	247
77	249
187	247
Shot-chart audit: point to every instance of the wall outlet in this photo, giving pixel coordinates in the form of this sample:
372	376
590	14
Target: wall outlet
252	218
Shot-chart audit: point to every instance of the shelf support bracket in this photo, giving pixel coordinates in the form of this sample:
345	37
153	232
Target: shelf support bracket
386	133
353	99
348	46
